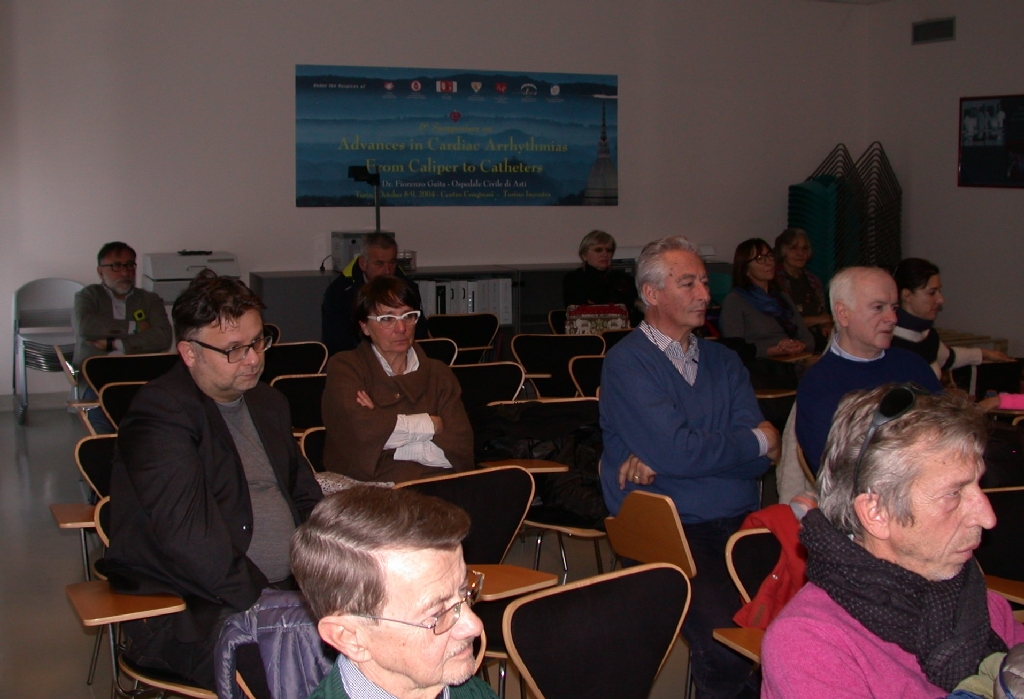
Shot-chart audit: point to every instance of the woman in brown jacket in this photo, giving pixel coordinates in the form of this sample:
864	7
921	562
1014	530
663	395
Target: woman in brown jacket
392	414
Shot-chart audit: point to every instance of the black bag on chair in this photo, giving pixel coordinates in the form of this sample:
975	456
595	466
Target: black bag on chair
567	433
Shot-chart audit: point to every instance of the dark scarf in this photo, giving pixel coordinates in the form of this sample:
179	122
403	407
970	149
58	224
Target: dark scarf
771	304
928	348
945	624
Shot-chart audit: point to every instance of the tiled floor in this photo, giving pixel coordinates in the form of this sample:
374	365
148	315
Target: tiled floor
44	652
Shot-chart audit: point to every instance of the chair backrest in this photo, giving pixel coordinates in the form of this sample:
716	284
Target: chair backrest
293	358
101	520
273	331
556	321
751	555
999	553
94	455
311	444
486	383
474	333
611	337
550	355
496	500
45	303
605	636
108	368
116	398
304	393
440	348
586	374
647	529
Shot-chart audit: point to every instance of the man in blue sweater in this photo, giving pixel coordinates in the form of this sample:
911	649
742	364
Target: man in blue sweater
679	417
864	303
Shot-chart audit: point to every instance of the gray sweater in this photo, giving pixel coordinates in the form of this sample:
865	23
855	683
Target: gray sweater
740	319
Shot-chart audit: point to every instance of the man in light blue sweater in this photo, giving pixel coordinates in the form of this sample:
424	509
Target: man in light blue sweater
679	417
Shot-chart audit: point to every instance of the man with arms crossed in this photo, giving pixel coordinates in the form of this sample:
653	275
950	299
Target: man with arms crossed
895	604
680	416
864	303
383	572
113	317
207	484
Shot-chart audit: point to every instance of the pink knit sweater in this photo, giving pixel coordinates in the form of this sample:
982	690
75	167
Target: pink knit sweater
814	649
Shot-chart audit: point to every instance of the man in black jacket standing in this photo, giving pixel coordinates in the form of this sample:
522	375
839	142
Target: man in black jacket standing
207	484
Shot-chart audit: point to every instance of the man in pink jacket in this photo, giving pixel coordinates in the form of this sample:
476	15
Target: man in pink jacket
895	605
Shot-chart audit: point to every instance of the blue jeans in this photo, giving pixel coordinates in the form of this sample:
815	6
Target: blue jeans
718	672
97	418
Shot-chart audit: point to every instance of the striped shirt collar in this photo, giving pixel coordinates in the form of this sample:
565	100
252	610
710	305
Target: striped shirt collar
685	361
358	686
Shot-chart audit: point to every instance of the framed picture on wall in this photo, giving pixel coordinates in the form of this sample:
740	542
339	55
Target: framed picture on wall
991	141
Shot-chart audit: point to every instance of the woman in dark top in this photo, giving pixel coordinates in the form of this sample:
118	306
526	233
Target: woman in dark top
757	311
792	253
920	289
596	282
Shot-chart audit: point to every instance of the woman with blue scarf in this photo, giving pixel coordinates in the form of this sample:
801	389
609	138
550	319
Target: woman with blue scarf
757	311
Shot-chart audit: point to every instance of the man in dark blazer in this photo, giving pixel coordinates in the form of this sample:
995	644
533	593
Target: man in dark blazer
207	484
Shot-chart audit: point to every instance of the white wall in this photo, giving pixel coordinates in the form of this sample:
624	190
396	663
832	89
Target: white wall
973	234
171	125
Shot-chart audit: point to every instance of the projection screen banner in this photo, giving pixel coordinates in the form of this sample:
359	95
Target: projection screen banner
455	137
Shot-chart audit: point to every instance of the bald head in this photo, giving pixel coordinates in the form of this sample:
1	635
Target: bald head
864	302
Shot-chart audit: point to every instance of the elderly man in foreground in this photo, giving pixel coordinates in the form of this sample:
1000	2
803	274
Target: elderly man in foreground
895	605
679	418
383	572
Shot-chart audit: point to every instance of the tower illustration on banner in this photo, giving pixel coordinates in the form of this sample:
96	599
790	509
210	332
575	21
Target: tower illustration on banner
603	183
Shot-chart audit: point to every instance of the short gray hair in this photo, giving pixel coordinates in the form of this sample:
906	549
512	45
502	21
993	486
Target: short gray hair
650	267
842	286
378	240
336	555
934	425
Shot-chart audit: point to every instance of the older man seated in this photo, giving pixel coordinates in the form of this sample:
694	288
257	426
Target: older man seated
383	572
895	605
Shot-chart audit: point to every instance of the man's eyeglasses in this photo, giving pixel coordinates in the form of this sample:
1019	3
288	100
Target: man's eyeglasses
896	402
237	354
763	257
388	321
448	618
121	266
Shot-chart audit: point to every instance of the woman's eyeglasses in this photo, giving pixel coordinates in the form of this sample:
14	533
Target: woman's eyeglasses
388	321
600	249
237	354
763	258
448	618
896	402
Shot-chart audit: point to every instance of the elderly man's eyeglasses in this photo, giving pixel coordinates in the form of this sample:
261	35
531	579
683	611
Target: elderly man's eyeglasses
448	618
121	266
763	258
896	402
237	354
388	321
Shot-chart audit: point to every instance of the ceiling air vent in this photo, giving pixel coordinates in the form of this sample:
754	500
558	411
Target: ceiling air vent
934	30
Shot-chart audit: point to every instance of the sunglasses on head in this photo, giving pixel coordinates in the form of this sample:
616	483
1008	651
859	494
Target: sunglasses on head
896	402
